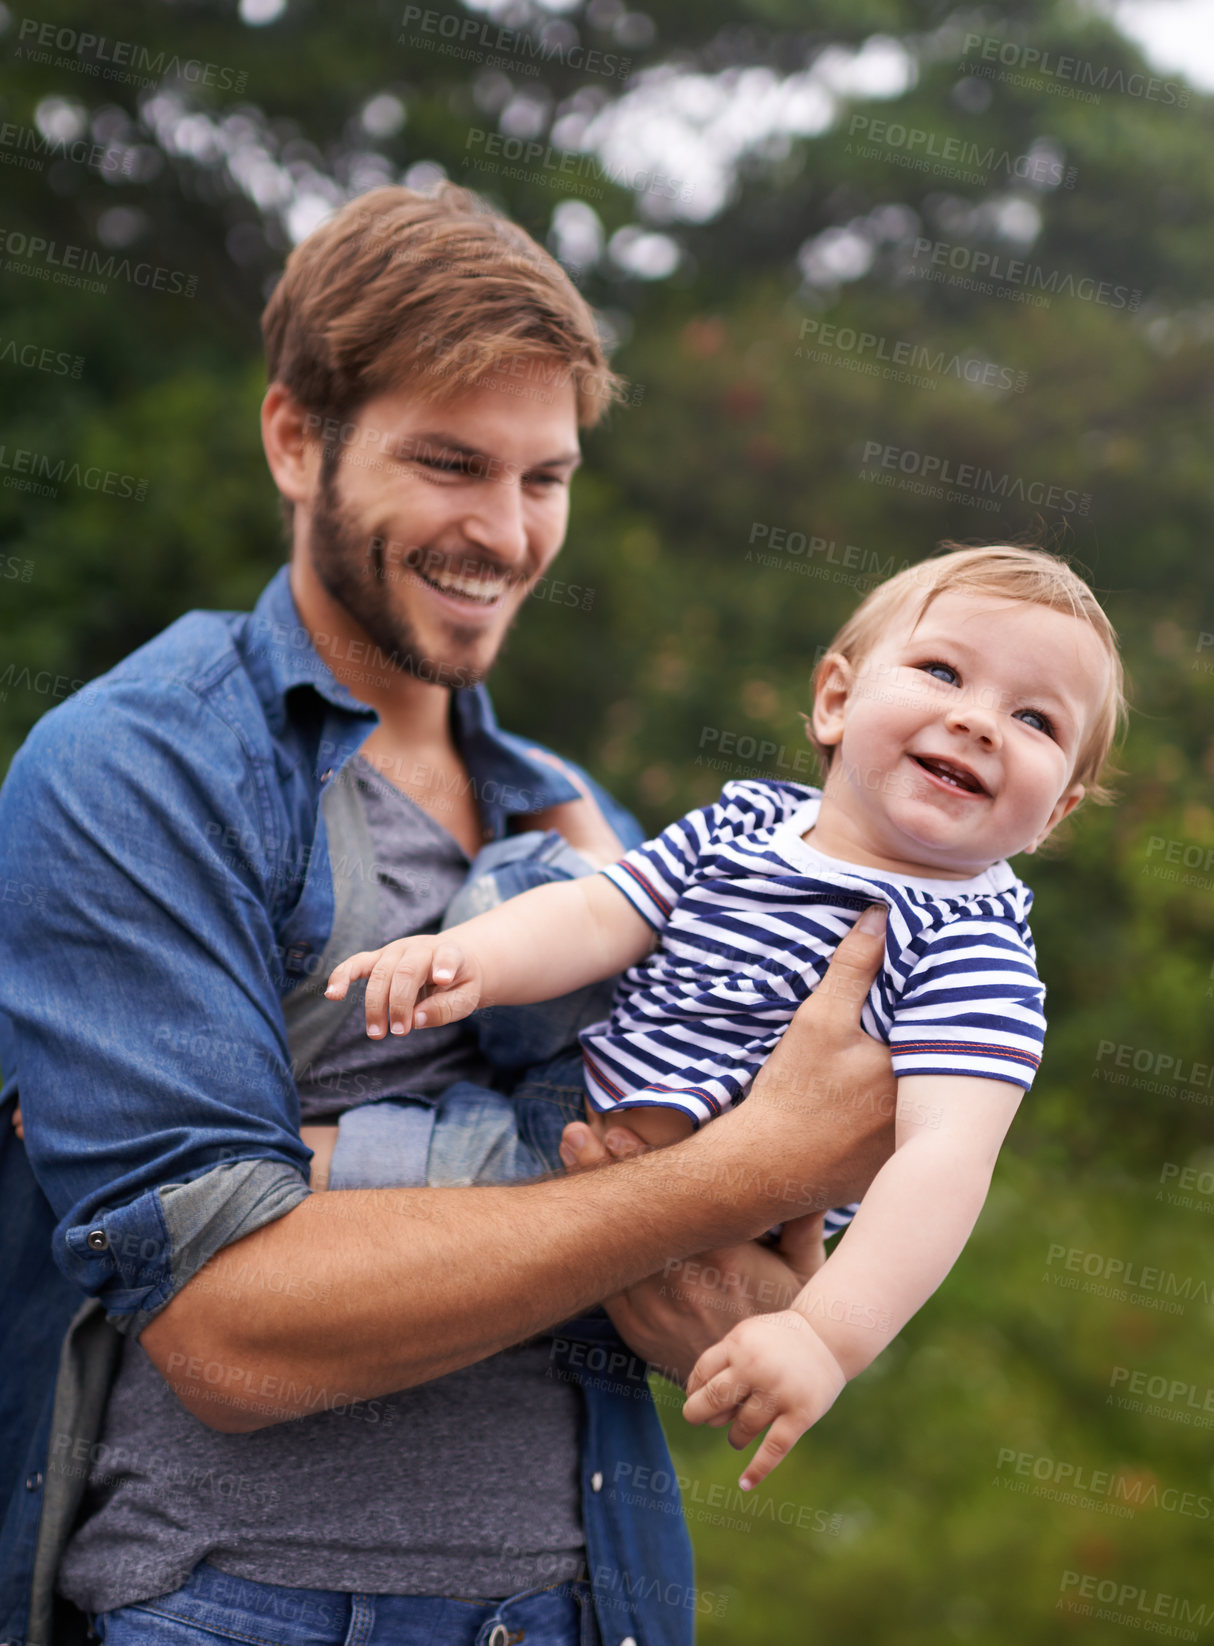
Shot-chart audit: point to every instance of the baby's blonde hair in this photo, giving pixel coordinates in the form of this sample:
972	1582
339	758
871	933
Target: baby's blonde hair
1027	573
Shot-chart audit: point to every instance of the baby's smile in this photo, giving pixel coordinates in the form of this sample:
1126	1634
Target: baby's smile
952	775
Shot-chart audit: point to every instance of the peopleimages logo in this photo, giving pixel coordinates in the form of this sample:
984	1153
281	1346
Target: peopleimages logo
1127	1604
38	357
469	38
1124	1280
32	151
1031	281
1076	71
43	256
558	165
116	59
931	363
920	146
936	473
43	474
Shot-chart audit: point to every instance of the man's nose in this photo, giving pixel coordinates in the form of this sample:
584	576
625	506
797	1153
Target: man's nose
498	523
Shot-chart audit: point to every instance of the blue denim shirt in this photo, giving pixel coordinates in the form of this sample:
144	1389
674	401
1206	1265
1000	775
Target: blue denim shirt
165	884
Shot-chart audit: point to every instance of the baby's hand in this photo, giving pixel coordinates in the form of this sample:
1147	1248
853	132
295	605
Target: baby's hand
414	983
771	1368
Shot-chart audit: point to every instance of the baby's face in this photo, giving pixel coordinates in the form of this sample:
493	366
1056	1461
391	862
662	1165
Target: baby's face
956	738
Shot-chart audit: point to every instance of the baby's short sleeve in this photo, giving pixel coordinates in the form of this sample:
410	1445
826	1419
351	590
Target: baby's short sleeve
654	875
972	1004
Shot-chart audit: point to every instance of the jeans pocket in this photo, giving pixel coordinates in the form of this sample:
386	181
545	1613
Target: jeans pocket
134	1626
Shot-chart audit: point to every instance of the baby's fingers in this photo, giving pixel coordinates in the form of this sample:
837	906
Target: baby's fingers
444	1002
778	1442
714	1359
349	970
447	1007
715	1400
755	1413
447	964
398	973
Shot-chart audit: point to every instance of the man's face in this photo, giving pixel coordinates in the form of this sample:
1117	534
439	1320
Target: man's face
431	522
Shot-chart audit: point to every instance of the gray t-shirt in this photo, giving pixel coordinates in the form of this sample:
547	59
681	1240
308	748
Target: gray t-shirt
418	867
467	1486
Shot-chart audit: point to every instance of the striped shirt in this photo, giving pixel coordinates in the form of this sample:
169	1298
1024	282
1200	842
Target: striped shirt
749	915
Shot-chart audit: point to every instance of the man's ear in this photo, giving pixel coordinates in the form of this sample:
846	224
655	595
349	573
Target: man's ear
1067	802
291	444
836	679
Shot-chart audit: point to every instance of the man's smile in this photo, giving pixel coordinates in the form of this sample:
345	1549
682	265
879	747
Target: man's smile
469	588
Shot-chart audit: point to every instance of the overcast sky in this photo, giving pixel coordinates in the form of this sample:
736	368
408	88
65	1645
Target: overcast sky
1178	35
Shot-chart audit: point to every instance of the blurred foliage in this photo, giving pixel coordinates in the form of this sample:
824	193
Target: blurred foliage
694	633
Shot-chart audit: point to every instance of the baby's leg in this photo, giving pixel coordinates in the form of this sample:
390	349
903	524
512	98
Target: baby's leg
654	1124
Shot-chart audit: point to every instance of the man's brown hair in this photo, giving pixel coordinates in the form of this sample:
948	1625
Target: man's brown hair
434	290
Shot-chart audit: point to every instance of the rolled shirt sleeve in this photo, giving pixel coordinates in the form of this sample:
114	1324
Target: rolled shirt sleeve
139	981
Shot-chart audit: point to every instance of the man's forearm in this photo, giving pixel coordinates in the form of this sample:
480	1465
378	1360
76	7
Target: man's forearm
378	1290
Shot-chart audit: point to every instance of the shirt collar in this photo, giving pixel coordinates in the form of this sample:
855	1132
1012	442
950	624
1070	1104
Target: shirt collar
501	765
285	655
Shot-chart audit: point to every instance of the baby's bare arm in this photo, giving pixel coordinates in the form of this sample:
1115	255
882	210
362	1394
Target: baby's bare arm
916	1217
555	938
543	943
786	1369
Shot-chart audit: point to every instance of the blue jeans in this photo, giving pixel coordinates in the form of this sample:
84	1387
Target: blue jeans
212	1606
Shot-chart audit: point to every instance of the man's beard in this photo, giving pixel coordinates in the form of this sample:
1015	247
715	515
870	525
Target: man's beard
353	570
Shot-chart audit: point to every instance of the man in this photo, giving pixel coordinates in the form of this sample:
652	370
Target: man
291	1415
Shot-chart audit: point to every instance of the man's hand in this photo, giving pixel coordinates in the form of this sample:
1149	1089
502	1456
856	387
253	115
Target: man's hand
802	1244
671	1318
414	983
828	1080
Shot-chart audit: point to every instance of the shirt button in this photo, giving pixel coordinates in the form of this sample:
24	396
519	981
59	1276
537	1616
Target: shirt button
628	1641
97	1240
596	1482
326	774
32	1482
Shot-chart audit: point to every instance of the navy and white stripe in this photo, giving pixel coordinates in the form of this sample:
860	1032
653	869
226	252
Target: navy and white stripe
750	915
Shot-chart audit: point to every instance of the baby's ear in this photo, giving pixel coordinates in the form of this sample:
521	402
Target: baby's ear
1067	802
832	687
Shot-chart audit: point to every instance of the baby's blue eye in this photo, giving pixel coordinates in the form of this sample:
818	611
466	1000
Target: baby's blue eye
1034	718
941	671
